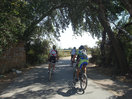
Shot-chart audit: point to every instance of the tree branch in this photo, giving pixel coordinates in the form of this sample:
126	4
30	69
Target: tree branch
29	30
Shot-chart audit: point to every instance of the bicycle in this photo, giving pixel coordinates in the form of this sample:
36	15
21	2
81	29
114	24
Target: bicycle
82	78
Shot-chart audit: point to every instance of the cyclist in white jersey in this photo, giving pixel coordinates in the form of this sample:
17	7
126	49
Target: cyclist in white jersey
73	54
53	57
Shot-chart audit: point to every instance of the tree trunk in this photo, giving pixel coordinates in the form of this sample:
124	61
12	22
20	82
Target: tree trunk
117	49
102	48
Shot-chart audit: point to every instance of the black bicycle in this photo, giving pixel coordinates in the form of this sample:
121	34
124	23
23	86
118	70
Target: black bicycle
82	78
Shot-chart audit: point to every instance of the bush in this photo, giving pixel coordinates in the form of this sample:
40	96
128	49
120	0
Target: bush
37	52
95	52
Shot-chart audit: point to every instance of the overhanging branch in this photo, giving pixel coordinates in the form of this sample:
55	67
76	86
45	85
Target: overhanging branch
29	30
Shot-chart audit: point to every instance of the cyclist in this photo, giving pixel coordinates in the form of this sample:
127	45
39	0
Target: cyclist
82	60
52	57
73	54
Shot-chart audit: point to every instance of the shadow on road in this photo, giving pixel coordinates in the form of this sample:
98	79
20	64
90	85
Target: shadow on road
66	92
34	83
122	90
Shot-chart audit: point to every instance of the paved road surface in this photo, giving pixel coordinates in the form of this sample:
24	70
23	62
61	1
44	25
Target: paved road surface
34	84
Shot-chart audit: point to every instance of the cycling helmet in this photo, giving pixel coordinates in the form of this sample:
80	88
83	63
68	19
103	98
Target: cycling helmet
74	47
54	47
81	47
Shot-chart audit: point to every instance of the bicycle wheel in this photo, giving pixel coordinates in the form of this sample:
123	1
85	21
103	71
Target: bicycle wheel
83	81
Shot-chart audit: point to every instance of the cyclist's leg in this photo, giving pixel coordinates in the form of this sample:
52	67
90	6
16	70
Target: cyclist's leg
74	58
78	68
84	69
54	61
53	66
49	64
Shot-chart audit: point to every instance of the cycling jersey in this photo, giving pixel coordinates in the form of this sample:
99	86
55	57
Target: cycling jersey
53	52
73	51
83	59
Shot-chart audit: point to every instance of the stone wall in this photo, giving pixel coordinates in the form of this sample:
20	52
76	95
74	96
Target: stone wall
14	57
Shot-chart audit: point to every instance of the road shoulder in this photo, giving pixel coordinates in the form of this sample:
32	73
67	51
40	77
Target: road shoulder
115	85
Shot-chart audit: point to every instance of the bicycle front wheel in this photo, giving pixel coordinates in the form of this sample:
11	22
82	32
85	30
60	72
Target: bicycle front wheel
83	81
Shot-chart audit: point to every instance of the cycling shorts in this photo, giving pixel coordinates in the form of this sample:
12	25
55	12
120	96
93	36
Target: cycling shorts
82	62
52	59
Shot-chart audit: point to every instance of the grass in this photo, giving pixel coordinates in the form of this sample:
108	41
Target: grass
64	53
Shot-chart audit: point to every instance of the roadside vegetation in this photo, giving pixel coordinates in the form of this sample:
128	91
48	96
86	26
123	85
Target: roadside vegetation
64	52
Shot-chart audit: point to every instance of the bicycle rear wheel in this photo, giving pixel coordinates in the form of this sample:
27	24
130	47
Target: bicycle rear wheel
83	81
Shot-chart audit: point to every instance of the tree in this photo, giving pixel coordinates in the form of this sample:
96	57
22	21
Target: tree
96	17
118	51
127	5
48	17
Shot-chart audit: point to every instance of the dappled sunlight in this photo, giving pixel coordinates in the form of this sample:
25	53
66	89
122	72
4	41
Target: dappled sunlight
63	65
117	88
35	82
23	90
107	83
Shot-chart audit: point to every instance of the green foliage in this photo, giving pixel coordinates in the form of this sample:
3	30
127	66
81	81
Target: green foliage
11	27
126	44
29	20
108	60
95	53
37	51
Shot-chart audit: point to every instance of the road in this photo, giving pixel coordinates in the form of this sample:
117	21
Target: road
34	84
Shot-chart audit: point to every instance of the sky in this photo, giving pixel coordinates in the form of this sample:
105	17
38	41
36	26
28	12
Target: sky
68	40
